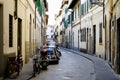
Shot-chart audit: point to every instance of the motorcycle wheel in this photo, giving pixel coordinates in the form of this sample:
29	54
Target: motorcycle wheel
44	65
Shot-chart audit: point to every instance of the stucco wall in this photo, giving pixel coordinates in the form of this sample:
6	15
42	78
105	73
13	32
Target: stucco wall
97	18
75	36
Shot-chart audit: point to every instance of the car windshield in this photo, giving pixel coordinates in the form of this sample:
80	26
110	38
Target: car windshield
50	50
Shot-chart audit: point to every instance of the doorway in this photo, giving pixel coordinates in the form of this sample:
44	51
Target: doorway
1	39
69	40
94	39
87	41
118	45
19	37
78	39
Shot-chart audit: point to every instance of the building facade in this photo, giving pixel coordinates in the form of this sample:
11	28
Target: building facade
74	33
20	25
60	26
13	23
112	19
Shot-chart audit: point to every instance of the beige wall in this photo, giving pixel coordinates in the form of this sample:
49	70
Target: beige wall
22	15
85	23
30	29
38	31
115	16
8	8
97	18
33	35
27	37
67	37
75	39
75	26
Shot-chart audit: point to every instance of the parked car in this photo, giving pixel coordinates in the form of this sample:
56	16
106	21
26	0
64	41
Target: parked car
52	55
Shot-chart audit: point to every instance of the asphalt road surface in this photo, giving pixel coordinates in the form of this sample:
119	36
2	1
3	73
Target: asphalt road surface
71	67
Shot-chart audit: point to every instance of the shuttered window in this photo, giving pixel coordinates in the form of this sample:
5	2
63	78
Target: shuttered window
100	33
10	31
83	35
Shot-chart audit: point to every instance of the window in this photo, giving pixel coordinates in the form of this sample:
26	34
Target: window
69	19
10	31
66	11
82	10
100	33
72	16
75	13
83	35
85	4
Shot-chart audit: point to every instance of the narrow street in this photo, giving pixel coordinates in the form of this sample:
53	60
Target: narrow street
86	31
71	67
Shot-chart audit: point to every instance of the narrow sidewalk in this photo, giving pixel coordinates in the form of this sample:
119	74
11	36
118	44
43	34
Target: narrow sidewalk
26	72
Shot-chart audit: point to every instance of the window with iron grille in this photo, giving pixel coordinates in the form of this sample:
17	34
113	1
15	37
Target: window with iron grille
100	33
10	31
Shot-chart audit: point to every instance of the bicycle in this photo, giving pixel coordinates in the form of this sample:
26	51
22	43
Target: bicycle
36	67
14	66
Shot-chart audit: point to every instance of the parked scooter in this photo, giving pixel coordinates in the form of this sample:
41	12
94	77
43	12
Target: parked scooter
44	61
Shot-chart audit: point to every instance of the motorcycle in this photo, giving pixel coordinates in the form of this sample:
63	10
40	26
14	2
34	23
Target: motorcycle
44	61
